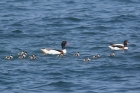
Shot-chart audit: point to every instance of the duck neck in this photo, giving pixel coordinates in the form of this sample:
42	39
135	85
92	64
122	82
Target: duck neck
125	44
63	47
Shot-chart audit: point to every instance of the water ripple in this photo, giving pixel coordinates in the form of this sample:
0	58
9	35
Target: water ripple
89	27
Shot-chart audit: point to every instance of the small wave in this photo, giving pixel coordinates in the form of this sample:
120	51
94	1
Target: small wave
129	1
17	24
13	35
73	19
101	27
61	84
70	2
122	18
17	31
89	33
80	28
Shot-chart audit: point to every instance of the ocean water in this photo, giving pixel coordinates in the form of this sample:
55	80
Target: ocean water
89	26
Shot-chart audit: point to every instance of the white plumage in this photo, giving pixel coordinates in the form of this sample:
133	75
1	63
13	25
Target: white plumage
55	51
119	46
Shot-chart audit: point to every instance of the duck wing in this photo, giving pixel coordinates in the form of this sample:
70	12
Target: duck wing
118	45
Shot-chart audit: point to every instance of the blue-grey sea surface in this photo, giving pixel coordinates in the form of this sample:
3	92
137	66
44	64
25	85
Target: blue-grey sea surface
89	27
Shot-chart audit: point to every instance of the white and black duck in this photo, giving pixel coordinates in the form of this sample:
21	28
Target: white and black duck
123	46
56	51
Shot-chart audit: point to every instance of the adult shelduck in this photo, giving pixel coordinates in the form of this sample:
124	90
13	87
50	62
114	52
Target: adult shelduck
56	51
119	46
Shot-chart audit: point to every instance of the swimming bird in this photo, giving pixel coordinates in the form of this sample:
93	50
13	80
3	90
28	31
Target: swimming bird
32	57
22	54
77	54
119	46
20	57
96	56
87	59
9	57
56	51
112	54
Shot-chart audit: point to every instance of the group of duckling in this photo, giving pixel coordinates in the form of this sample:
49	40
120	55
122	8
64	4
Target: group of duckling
22	55
94	56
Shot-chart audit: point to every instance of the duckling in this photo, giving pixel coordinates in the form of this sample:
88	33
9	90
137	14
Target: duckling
77	54
20	57
96	56
9	57
32	57
112	54
87	59
22	54
84	60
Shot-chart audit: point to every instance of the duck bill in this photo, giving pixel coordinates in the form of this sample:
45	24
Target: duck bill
67	44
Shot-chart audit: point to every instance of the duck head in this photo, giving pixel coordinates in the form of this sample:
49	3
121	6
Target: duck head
125	43
63	44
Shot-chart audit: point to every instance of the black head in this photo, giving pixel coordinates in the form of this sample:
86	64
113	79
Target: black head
125	43
63	44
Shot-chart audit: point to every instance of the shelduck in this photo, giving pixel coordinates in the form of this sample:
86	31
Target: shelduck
56	51
119	46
